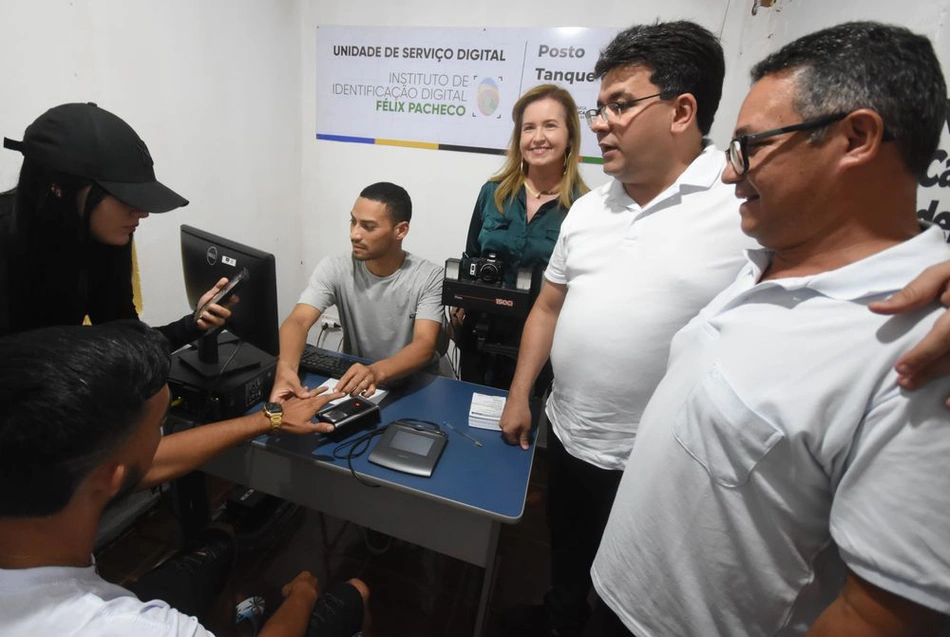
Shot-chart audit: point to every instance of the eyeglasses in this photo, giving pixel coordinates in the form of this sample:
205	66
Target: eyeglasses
738	151
614	109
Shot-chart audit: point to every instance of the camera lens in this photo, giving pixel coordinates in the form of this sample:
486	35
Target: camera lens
489	273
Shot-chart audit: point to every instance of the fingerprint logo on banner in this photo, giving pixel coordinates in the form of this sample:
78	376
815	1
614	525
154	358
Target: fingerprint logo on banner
486	97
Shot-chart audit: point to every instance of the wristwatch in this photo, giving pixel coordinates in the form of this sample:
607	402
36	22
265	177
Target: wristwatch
274	411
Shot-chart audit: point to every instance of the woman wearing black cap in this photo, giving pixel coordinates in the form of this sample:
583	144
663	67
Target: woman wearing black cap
86	183
66	253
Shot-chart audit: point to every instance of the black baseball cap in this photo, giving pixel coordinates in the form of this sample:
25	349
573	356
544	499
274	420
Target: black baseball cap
90	142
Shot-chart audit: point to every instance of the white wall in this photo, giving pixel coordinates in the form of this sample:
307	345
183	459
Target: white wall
213	87
223	93
443	185
749	38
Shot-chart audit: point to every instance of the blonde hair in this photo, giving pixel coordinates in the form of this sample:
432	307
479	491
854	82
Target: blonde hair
511	176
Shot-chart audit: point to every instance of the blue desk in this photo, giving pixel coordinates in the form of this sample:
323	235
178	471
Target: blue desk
457	512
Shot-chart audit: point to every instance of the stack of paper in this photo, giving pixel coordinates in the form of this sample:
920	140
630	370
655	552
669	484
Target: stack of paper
485	411
330	384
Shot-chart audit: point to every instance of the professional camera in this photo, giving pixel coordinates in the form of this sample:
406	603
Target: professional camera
478	283
487	269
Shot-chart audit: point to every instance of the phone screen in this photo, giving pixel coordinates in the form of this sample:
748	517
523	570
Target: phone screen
224	293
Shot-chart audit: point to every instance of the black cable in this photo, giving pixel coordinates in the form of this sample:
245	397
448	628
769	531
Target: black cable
214	384
322	336
454	356
198	421
358	446
426	424
352	449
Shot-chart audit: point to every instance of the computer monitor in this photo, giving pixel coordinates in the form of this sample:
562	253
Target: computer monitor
205	258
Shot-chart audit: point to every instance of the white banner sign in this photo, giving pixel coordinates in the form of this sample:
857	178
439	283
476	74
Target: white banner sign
449	88
933	203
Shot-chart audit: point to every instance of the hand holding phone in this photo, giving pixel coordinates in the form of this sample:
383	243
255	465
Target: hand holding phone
224	294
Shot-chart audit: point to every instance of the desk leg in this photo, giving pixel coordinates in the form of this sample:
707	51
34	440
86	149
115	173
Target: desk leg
326	546
488	580
189	495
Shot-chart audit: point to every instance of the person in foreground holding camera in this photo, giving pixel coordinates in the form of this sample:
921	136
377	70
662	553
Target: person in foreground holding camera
86	182
516	222
68	449
390	301
782	481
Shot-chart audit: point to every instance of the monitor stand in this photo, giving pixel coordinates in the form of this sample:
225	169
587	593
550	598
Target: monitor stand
202	392
213	359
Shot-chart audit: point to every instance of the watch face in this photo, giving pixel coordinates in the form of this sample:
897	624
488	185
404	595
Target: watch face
273	408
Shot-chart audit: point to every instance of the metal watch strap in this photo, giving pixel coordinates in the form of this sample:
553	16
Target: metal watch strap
276	419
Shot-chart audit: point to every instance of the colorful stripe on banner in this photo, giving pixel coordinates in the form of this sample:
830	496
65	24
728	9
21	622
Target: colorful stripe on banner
344	138
407	144
431	146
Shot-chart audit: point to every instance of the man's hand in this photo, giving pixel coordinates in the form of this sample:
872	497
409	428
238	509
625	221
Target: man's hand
214	315
287	384
304	585
293	616
516	422
457	315
359	380
931	357
293	340
299	412
535	349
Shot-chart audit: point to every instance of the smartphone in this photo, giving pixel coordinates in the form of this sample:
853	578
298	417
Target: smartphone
224	293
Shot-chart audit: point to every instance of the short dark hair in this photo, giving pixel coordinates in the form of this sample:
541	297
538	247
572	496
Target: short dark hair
395	198
869	65
682	56
69	397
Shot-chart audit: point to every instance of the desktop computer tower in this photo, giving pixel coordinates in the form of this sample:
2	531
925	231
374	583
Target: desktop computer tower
228	395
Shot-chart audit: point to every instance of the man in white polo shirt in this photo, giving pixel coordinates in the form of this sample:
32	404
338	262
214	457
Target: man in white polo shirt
635	260
782	482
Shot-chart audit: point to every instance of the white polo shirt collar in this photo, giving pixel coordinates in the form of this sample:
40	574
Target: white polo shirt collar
701	175
877	274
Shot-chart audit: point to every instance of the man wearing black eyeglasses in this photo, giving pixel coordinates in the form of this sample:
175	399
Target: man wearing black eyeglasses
635	260
782	482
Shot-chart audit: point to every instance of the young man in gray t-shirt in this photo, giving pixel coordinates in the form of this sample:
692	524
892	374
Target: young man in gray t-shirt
390	301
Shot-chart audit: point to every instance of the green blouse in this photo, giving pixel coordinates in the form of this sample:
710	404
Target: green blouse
517	242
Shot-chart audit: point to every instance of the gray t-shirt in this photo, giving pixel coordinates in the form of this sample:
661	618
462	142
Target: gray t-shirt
377	313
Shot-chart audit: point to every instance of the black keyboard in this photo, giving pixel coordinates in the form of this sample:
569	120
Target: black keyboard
332	365
324	363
